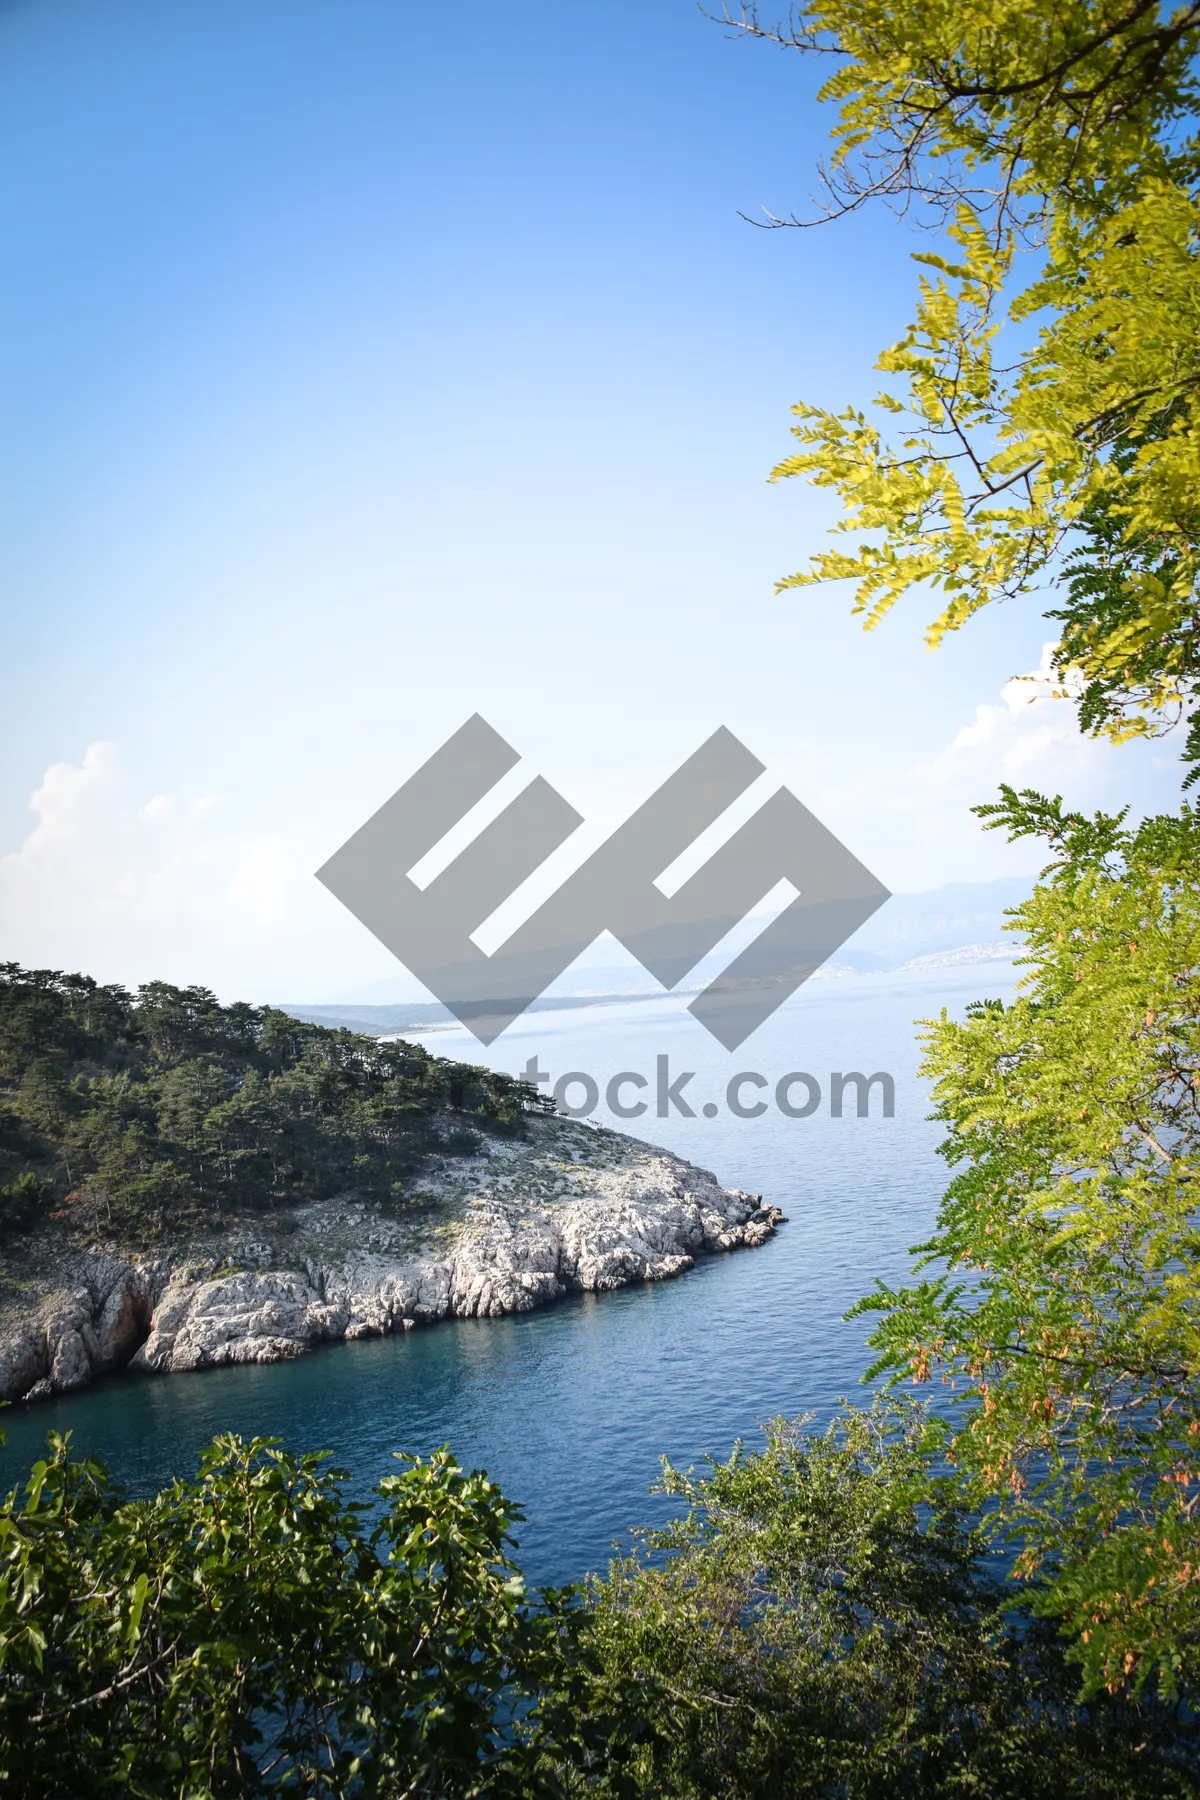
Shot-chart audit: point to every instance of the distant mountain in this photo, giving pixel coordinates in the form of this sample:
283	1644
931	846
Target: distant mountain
960	923
962	914
961	957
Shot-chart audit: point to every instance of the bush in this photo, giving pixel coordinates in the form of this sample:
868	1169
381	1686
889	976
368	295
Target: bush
821	1623
24	1199
249	1632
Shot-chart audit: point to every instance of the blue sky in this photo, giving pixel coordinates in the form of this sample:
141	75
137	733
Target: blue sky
367	364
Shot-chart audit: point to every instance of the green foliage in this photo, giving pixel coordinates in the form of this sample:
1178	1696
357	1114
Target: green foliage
1066	1316
250	1633
1115	583
150	1110
821	1622
1066	133
1056	149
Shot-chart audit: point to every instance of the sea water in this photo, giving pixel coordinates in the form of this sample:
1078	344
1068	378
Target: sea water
570	1408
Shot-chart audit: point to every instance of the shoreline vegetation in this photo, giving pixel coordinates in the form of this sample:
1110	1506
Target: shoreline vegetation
187	1185
164	1110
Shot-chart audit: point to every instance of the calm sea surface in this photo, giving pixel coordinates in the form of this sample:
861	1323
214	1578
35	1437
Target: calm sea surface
570	1408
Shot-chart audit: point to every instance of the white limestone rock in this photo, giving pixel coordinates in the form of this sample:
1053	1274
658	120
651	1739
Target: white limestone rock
526	1221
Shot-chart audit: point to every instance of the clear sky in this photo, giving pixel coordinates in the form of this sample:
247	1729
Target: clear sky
367	364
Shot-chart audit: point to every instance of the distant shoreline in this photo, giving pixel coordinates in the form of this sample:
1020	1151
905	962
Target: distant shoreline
429	1016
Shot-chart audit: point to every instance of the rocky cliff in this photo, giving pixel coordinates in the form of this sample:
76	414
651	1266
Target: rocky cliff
523	1222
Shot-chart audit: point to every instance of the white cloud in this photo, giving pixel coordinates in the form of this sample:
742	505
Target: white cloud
161	807
911	821
68	798
128	891
1029	733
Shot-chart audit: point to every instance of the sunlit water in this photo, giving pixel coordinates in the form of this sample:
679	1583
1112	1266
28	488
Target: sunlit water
570	1408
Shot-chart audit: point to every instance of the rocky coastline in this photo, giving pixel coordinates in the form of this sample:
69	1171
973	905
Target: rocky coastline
568	1208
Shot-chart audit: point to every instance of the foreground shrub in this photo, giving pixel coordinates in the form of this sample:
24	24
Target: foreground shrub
1063	1312
250	1632
822	1621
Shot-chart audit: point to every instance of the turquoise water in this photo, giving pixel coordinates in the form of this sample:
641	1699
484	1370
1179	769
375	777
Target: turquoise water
571	1407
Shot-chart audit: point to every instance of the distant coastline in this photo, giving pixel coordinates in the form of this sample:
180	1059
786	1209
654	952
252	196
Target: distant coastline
430	1016
962	923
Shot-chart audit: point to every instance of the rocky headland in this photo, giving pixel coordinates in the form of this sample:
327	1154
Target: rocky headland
567	1207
